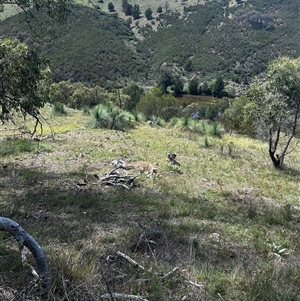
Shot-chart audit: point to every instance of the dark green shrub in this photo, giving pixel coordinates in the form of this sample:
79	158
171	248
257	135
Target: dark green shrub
58	109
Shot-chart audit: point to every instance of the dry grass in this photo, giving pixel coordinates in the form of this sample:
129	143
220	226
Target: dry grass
216	218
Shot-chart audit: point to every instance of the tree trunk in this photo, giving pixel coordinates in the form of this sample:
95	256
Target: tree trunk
29	242
277	161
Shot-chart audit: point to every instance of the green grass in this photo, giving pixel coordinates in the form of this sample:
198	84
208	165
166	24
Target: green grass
15	146
223	219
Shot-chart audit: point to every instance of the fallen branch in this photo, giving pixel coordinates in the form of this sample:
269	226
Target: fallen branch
169	273
112	296
200	286
184	298
130	260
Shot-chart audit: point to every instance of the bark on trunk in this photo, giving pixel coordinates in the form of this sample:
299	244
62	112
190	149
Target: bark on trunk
277	161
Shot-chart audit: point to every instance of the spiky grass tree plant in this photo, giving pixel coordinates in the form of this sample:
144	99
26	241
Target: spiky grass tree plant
206	142
58	109
201	127
110	117
156	121
216	129
100	117
138	117
120	119
173	122
186	124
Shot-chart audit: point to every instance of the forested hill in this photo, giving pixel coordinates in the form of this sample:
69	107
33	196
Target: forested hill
91	46
233	38
237	41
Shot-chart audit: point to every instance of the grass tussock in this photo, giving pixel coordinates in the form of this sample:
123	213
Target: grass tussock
224	222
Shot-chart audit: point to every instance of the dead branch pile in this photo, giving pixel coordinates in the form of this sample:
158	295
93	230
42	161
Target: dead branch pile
118	176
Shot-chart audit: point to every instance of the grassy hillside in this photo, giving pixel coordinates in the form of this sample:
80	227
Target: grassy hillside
226	218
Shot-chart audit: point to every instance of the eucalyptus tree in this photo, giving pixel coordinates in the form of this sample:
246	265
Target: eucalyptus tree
24	73
24	81
276	99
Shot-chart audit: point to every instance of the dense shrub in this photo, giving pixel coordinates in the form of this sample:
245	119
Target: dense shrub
155	103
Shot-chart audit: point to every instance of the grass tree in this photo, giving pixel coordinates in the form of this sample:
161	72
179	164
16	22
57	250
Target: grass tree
277	106
100	117
186	124
110	117
216	129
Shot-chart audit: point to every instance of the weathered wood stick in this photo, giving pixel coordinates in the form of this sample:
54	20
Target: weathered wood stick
195	284
130	260
112	296
169	273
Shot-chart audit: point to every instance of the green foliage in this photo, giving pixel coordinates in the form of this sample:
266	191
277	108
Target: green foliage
216	129
120	120
100	118
76	47
138	117
186	124
58	10
110	117
111	6
193	86
238	116
215	222
135	93
59	109
126	8
214	43
136	12
165	80
205	89
276	108
15	146
156	121
78	96
263	283
148	13
278	249
206	142
155	103
24	85
200	39
177	85
218	87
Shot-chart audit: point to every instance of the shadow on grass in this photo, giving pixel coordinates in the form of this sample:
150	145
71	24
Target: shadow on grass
210	231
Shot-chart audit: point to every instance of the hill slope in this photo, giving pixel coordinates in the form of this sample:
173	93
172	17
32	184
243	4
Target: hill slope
189	39
237	41
91	46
